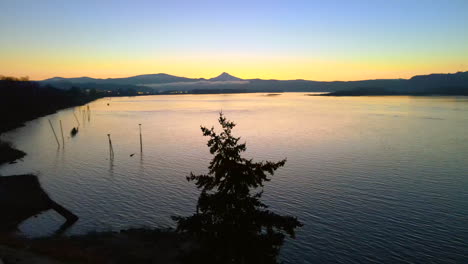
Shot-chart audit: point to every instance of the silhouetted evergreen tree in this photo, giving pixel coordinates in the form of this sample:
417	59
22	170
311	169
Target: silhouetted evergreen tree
231	223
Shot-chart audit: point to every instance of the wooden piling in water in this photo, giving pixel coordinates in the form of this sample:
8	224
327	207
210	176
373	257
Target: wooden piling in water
55	135
76	118
141	141
111	149
61	130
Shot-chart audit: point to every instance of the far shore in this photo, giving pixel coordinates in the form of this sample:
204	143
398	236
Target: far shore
371	92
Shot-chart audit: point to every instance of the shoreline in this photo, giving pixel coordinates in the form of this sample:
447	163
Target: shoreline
8	153
20	123
356	93
142	245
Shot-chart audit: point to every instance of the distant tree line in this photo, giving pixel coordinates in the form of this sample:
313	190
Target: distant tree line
22	100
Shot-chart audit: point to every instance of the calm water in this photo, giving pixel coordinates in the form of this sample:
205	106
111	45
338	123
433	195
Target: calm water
374	179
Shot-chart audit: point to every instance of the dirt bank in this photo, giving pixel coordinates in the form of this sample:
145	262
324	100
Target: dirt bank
127	246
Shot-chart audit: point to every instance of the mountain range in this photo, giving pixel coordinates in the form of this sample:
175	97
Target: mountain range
433	83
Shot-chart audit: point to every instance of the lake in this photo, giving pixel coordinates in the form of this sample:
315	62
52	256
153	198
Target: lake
373	179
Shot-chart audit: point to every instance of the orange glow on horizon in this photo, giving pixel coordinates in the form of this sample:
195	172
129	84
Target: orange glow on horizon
288	68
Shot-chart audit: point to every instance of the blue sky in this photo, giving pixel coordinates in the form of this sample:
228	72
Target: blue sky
320	40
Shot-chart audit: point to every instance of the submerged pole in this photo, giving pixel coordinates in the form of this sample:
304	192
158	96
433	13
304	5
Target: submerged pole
61	130
141	141
76	118
111	149
55	135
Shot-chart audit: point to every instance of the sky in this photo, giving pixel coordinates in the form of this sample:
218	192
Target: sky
313	40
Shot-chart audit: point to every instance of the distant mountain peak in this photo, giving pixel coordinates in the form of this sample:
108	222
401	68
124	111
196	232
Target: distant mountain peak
225	77
77	79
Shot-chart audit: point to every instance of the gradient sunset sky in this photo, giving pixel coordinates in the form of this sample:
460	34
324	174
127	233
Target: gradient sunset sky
314	40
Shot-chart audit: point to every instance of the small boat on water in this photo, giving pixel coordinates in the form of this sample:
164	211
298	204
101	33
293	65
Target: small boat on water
74	131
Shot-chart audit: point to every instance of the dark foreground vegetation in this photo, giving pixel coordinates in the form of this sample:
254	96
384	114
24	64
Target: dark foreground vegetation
231	223
123	247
